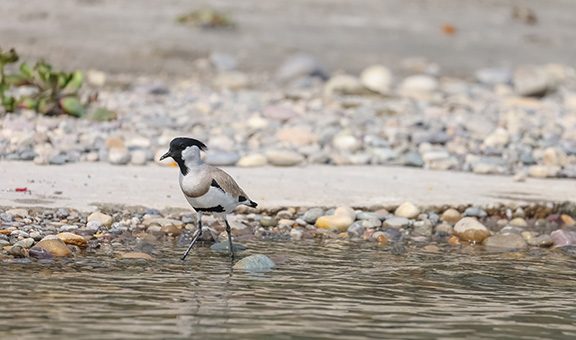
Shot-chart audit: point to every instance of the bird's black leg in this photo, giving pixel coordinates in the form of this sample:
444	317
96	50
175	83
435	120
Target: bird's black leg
196	237
229	238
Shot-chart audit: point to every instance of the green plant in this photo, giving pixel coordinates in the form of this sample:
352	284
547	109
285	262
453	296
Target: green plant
50	92
207	18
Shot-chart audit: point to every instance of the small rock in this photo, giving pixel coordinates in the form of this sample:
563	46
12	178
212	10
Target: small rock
171	230
343	84
268	222
296	234
451	216
347	143
39	253
519	222
54	246
563	237
356	230
118	156
396	222
377	78
475	212
96	78
222	247
222	158
418	85
252	160
136	256
68	227
311	215
505	241
470	229
422	228
70	238
343	217
531	81
255	263
22	213
25	243
541	241
567	220
162	222
17	251
101	218
407	209
284	157
139	157
232	80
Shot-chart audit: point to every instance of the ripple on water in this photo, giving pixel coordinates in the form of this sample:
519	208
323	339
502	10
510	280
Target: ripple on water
337	291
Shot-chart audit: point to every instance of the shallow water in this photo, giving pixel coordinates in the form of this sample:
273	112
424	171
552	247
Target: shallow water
331	290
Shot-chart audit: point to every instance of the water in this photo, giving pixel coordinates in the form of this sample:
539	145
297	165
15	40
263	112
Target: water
332	290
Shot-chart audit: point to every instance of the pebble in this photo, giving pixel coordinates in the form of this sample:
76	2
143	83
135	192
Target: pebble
311	215
343	217
563	237
252	160
396	222
268	222
451	216
222	158
25	243
100	218
296	234
139	157
407	209
531	81
255	263
541	241
281	157
494	76
343	84
21	213
223	247
519	222
470	229
422	228
300	65
418	85
54	246
118	156
232	80
377	78
70	238
505	241
356	229
475	212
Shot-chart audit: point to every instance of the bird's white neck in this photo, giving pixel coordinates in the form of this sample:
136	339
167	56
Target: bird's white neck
191	157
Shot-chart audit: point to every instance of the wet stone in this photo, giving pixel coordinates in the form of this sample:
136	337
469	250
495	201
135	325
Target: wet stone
222	247
255	263
397	222
505	241
312	215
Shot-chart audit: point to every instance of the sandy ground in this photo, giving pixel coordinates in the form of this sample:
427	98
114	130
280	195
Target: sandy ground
88	183
143	36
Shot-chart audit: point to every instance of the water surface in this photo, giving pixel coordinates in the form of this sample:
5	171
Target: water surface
335	290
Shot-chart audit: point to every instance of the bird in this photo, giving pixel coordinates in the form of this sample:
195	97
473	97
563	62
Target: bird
207	189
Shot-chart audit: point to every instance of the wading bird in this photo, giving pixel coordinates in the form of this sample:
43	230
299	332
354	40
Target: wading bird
207	188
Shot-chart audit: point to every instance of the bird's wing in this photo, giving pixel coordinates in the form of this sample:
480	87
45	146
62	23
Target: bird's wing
226	183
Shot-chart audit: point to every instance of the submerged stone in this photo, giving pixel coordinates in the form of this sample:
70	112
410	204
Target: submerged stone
222	247
255	263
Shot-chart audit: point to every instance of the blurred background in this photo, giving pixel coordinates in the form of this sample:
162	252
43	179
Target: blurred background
145	36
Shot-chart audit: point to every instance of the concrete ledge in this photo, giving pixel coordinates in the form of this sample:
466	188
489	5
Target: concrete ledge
81	185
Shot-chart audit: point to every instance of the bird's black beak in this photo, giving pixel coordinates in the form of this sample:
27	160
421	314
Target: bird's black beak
166	155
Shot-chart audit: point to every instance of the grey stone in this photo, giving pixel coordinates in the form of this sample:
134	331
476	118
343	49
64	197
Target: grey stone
422	228
541	241
223	62
397	222
494	76
505	241
312	215
475	212
222	247
25	243
255	263
356	229
300	65
222	158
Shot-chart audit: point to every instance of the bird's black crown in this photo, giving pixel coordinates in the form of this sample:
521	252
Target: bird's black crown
181	143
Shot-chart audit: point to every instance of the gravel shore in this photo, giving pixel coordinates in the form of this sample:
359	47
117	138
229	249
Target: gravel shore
519	122
131	233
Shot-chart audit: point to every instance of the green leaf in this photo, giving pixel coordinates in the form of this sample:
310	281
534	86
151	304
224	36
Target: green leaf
45	105
9	103
26	71
74	82
8	57
72	106
15	80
